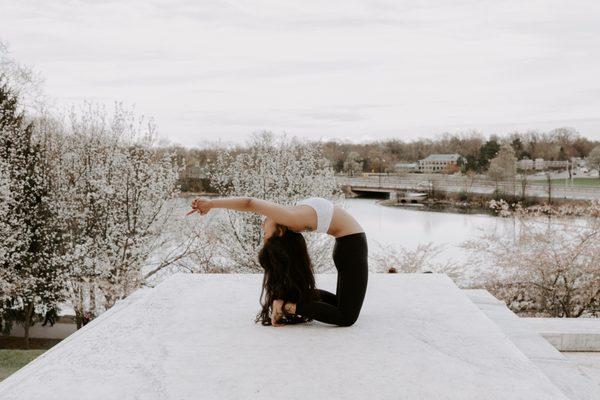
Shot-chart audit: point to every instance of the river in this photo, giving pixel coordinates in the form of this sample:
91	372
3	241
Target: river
409	227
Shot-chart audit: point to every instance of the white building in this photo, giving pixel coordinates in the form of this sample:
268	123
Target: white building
406	167
556	164
438	163
577	162
525	164
540	164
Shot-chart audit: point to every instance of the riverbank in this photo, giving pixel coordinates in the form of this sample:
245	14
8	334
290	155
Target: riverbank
479	204
442	206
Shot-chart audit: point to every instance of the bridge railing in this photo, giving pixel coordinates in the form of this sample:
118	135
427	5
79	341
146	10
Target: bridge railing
450	183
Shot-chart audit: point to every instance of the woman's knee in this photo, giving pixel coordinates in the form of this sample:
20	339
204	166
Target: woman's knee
348	319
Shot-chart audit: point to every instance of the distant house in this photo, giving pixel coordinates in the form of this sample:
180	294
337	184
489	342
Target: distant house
541	165
525	164
439	163
577	162
558	164
406	167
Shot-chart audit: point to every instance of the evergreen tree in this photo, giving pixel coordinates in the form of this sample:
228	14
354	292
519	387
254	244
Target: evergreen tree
469	163
30	267
487	152
562	154
517	145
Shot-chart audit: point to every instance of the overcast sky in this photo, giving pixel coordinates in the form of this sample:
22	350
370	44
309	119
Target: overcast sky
354	70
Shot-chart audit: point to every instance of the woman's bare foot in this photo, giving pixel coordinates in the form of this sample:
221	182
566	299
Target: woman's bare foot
277	312
290	308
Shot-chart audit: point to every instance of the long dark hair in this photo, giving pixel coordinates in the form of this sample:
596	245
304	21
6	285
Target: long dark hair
288	273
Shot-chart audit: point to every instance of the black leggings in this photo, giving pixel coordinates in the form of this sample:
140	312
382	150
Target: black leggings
350	255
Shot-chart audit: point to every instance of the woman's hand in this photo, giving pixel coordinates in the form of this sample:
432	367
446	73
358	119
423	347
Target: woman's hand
200	205
277	312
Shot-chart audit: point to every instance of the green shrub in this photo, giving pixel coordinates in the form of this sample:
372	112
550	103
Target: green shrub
498	194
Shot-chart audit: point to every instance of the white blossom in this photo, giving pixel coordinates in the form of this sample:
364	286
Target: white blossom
113	192
273	168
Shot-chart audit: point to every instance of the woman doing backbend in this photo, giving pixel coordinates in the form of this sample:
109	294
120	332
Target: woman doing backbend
289	291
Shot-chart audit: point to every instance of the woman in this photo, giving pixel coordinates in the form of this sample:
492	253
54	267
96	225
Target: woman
288	285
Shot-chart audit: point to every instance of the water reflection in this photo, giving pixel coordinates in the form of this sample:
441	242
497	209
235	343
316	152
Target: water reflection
404	226
411	227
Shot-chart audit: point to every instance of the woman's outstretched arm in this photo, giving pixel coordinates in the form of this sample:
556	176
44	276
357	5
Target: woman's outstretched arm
279	213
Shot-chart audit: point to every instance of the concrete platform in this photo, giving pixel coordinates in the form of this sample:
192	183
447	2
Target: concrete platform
569	334
193	336
588	362
564	373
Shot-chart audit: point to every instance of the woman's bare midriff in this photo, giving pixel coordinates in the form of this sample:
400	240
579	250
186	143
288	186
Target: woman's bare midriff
342	223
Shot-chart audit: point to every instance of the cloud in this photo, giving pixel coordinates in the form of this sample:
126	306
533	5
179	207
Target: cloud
368	69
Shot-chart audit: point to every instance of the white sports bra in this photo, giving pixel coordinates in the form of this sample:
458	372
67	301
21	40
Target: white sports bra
324	210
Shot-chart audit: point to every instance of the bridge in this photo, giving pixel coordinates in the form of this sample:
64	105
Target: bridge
397	186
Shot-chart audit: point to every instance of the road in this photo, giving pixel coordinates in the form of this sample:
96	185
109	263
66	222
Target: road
457	183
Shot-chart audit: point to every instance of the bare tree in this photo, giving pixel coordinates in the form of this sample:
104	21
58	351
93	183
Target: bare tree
549	185
503	167
468	182
432	186
24	82
420	259
552	265
523	183
353	164
186	244
593	159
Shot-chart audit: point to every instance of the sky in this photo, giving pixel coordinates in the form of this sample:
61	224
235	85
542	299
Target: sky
351	70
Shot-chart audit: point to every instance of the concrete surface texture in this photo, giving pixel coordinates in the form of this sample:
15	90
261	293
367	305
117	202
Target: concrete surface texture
589	362
193	336
567	375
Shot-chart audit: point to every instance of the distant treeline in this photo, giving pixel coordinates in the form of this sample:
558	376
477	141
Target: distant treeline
478	150
382	155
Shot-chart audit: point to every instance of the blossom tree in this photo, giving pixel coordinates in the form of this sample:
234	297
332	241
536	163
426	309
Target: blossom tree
31	266
421	259
503	167
272	168
353	165
114	194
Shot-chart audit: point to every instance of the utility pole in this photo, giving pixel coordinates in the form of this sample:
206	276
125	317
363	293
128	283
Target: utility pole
380	169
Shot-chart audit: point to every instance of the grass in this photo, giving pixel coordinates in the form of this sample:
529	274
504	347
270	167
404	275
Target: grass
582	182
13	356
13	360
